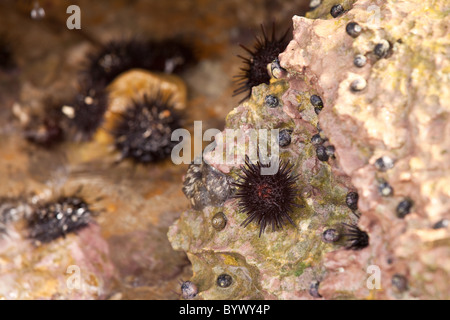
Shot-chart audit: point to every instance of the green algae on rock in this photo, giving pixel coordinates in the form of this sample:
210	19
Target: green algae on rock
281	263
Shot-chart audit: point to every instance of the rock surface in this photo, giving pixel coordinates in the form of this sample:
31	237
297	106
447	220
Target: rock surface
136	203
388	121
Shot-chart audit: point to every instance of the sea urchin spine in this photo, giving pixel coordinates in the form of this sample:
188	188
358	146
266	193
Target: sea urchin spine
145	129
265	51
355	237
267	199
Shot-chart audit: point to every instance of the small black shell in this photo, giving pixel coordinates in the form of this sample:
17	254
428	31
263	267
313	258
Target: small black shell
404	208
352	200
321	153
336	10
224	280
353	29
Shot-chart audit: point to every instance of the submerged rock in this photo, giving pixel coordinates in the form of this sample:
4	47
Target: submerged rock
400	110
281	263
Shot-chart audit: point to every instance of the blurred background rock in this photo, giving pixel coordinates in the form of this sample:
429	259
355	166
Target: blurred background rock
137	202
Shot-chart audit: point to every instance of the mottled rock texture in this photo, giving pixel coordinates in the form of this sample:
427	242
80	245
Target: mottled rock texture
30	272
393	107
138	203
279	264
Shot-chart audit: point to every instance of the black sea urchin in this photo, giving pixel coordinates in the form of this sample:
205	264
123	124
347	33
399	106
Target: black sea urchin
267	199
355	237
56	219
265	51
6	56
116	57
145	129
86	113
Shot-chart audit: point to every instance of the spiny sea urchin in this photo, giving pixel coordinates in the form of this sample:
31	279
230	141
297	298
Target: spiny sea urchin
267	199
56	219
355	237
86	113
117	56
145	129
265	51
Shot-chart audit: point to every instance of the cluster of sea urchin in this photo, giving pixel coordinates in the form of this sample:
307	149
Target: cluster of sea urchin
267	199
145	129
265	51
116	57
84	115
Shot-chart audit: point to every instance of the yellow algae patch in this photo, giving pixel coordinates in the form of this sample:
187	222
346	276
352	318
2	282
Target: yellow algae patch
230	260
134	84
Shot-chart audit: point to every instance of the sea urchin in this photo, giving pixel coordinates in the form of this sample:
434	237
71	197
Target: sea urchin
145	129
117	56
265	51
86	113
267	199
357	239
56	219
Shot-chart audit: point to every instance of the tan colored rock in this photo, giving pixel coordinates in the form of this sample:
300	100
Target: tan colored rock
402	113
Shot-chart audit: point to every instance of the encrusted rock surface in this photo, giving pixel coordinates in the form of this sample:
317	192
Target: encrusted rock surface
138	203
394	107
280	264
87	274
